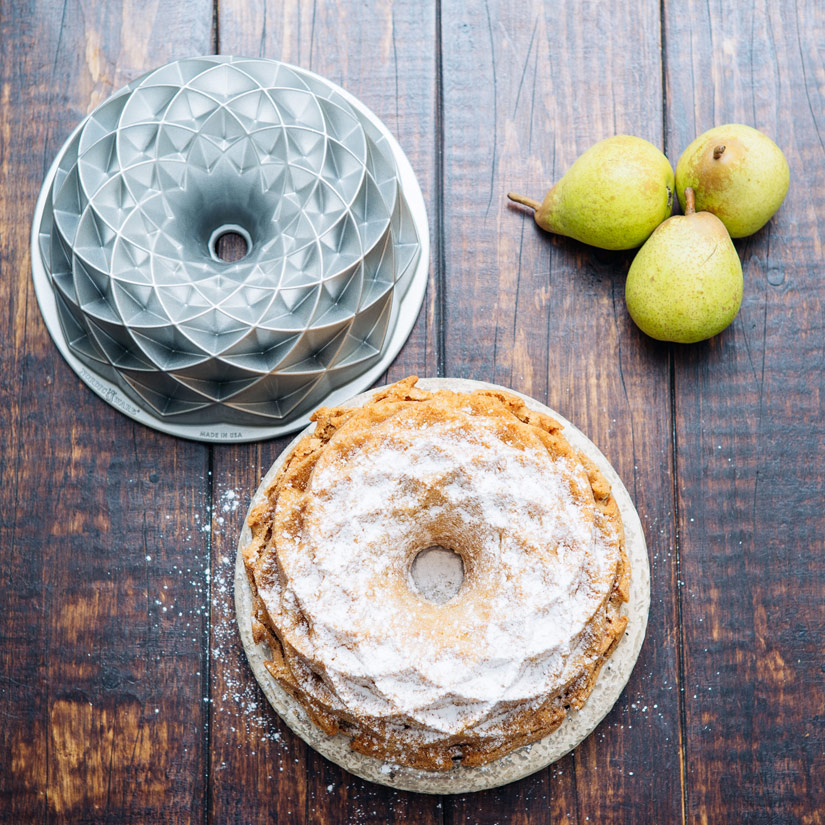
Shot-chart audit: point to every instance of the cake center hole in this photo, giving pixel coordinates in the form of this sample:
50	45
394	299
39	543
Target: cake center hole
229	243
437	573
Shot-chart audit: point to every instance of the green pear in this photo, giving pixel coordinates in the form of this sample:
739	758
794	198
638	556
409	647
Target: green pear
738	174
612	197
685	283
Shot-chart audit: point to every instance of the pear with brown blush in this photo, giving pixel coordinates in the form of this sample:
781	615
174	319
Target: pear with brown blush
738	173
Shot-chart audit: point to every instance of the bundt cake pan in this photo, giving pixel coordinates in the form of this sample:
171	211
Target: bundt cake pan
127	274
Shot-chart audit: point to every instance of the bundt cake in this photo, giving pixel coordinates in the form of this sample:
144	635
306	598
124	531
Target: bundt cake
434	682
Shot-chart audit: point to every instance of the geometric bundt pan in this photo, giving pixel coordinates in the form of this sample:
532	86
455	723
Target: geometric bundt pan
141	307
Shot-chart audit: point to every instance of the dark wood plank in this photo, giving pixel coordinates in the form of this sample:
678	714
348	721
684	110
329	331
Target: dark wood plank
384	53
103	562
750	430
527	88
258	767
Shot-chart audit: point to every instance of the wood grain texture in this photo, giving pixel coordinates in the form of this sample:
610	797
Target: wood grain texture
102	658
527	88
261	771
124	692
750	430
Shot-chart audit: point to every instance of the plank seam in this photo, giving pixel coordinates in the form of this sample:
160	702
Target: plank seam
680	641
207	666
674	445
210	504
440	309
216	32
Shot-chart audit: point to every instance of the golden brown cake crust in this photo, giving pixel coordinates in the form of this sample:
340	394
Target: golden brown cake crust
346	668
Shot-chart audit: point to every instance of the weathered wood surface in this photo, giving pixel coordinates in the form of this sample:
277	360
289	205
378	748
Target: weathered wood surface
102	577
124	693
750	435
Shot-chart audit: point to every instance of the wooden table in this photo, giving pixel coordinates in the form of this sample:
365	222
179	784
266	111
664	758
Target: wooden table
124	694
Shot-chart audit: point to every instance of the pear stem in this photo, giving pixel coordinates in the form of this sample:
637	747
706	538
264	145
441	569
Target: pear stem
719	151
525	201
690	201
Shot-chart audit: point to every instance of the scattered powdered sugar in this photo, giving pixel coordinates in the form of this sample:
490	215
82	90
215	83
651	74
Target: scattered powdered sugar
238	696
228	503
193	602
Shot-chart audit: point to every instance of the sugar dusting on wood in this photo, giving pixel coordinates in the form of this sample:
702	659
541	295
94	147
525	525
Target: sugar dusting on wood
241	704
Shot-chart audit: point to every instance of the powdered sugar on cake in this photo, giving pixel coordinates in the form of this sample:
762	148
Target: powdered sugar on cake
468	675
370	509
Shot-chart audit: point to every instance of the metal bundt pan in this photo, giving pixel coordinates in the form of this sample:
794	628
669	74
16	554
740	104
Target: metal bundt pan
135	296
